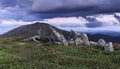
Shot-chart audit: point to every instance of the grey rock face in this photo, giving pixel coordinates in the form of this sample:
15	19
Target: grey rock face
72	34
77	34
57	34
71	41
60	37
109	47
78	41
34	38
63	40
85	38
101	42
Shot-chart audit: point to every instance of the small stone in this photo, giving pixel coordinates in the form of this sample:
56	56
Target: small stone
109	47
93	43
58	43
101	42
21	43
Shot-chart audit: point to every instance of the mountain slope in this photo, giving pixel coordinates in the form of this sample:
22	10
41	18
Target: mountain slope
32	29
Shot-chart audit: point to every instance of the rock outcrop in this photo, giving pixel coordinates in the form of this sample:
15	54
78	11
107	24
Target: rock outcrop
78	41
85	38
101	42
63	40
60	37
72	35
109	47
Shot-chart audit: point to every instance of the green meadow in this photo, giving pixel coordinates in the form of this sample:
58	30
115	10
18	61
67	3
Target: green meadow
33	56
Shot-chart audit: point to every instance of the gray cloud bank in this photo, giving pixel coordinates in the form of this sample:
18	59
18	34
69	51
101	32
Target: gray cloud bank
30	10
75	5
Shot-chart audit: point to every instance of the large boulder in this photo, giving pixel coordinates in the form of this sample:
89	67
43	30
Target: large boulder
78	41
60	37
71	41
81	39
63	40
109	47
74	34
85	38
101	42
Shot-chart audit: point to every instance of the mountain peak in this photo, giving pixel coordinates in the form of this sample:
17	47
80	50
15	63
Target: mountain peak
32	30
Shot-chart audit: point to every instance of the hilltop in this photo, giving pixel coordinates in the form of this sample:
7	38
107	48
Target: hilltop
32	30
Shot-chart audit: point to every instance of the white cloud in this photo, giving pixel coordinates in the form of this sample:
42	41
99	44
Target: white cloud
70	21
13	22
107	19
6	25
108	23
118	14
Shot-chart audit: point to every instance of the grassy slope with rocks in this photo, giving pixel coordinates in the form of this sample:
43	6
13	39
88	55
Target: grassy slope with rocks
33	56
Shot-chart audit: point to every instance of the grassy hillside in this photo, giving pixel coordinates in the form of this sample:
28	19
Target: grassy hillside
33	56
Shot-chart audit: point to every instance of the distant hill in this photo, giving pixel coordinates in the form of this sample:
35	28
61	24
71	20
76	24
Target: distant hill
96	37
32	29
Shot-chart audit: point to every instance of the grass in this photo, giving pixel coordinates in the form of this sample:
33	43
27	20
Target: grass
33	56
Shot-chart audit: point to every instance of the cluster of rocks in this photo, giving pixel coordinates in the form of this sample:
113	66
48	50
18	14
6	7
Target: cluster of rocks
82	39
107	46
74	38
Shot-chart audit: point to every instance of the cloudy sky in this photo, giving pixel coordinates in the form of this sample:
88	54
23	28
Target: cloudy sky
86	15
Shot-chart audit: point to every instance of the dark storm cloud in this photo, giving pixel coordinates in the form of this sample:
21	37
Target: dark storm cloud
81	6
29	10
12	3
17	10
61	5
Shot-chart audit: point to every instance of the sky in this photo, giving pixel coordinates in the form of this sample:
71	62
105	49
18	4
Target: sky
86	15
